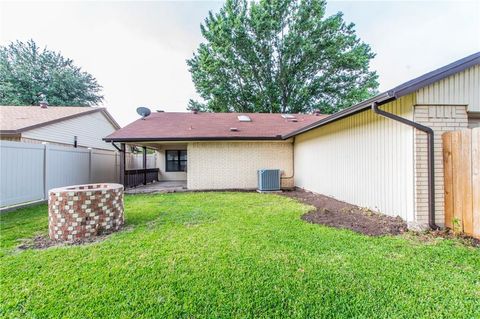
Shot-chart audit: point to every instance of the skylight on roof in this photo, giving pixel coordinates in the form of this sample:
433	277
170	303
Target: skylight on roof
288	116
244	118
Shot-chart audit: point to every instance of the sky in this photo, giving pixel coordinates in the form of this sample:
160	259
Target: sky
137	50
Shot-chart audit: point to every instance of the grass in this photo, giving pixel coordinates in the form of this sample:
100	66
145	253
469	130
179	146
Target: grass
205	255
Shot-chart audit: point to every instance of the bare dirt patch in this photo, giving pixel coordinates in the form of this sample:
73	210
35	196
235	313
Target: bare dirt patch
44	242
335	213
434	235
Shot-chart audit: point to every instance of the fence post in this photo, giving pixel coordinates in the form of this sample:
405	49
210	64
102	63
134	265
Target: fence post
123	164
90	165
45	158
116	169
144	165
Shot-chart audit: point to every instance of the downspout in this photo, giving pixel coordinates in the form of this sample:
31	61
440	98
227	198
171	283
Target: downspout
122	152
430	155
118	148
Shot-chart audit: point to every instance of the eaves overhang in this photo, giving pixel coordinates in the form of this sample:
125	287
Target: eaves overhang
397	92
196	138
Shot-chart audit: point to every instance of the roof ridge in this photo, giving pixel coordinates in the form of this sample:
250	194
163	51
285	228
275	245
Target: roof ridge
89	110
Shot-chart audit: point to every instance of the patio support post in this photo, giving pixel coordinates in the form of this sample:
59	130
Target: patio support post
144	165
122	164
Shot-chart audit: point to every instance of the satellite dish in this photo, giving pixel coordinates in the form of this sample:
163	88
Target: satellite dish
143	112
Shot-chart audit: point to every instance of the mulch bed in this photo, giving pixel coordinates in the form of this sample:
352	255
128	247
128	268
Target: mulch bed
335	213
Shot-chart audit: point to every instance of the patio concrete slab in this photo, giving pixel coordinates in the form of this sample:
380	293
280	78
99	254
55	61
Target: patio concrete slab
159	187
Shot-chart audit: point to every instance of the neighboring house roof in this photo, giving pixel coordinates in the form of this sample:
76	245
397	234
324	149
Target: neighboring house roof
183	126
17	119
398	91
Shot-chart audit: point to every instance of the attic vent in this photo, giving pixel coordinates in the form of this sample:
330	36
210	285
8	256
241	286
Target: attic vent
244	118
288	116
234	129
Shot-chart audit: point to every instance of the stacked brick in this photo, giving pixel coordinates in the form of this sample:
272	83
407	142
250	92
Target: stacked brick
441	118
79	212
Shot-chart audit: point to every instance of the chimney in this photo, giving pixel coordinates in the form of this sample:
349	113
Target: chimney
43	101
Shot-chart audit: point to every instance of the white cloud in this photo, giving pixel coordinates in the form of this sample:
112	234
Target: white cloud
137	50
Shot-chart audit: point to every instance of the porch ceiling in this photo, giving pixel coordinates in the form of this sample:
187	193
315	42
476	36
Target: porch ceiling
157	145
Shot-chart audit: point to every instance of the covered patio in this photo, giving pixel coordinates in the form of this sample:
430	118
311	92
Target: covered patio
165	172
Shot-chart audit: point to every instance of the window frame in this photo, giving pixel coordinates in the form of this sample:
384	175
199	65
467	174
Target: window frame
178	161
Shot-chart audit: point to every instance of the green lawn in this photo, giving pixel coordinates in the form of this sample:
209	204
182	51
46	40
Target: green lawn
205	255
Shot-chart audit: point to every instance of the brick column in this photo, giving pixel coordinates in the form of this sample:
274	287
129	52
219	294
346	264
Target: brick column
441	118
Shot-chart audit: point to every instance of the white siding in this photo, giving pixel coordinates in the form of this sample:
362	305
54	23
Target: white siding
364	159
461	88
89	128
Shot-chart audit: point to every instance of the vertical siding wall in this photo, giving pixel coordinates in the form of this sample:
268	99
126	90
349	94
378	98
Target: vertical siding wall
234	165
364	159
462	88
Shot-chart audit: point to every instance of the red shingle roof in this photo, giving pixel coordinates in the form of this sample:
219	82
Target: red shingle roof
172	126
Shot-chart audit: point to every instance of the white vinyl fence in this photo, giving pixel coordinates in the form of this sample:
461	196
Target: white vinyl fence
135	161
28	171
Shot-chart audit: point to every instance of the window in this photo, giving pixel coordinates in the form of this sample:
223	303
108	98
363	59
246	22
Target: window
176	161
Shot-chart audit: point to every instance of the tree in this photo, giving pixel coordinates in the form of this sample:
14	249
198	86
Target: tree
27	73
280	56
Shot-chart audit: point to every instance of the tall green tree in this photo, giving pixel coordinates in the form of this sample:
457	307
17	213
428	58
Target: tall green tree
280	56
28	72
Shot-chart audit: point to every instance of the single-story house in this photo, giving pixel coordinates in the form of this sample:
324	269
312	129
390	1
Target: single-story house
384	153
217	150
58	125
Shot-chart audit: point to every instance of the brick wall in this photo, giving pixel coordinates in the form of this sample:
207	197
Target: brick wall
441	118
79	212
234	165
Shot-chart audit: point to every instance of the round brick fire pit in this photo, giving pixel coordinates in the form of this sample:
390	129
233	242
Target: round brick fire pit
81	211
